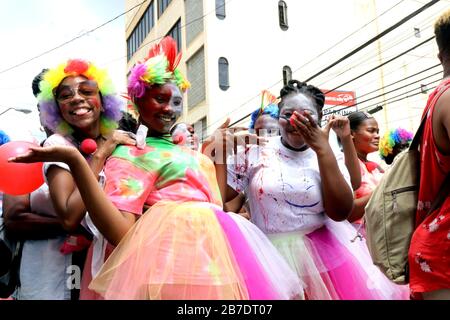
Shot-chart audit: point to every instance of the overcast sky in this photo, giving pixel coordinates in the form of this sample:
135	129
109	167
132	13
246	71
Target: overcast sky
31	27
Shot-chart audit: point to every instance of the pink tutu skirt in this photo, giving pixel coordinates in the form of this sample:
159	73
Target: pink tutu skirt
194	250
333	267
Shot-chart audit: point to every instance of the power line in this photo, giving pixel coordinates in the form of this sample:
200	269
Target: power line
142	46
389	73
183	26
365	73
134	16
342	40
321	54
394	90
423	25
420	92
391	84
378	36
69	41
384	63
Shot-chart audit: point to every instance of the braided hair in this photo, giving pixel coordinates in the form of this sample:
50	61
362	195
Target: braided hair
295	87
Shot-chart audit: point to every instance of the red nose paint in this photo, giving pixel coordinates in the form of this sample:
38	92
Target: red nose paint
88	146
291	120
180	139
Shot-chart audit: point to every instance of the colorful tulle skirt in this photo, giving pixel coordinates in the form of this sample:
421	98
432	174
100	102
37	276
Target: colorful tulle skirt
194	250
334	265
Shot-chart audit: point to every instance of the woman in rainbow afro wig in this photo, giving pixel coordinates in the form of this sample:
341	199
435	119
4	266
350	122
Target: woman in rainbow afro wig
393	142
54	94
184	246
77	102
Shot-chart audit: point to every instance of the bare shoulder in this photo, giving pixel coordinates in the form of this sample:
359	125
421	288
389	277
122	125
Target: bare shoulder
441	122
442	108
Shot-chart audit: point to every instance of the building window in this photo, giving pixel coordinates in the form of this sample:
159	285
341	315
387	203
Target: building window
224	83
220	9
201	129
194	19
162	5
282	15
196	75
141	31
287	74
175	33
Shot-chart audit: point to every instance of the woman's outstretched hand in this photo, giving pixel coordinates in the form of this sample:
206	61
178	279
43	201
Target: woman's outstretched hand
47	154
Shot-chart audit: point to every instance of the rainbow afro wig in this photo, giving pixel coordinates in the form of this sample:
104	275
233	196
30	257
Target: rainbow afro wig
269	105
49	109
159	67
393	138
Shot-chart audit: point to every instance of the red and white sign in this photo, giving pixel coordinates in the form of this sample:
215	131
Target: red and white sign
340	98
338	102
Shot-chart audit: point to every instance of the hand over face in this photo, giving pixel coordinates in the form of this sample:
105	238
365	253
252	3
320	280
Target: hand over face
312	134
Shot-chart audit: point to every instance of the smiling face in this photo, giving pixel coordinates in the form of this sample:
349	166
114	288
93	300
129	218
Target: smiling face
295	102
80	103
160	107
366	136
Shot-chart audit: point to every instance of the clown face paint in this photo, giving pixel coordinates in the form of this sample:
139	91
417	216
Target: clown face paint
184	134
78	106
160	107
300	103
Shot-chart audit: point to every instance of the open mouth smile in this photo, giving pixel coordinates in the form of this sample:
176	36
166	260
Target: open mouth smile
80	111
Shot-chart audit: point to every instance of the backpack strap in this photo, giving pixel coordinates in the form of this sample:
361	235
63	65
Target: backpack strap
418	136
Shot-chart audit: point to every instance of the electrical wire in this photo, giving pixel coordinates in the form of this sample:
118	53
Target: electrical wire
378	36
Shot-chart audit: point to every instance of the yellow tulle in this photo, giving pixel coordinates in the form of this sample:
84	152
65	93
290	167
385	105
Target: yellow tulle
174	251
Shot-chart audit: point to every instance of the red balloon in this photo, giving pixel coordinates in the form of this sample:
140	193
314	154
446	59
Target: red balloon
18	178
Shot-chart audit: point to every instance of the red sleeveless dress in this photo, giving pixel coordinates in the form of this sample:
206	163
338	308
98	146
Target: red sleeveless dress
429	253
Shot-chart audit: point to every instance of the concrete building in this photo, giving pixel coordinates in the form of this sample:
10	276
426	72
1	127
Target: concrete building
234	49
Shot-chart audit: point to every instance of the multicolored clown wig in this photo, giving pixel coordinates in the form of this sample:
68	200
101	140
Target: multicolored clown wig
49	109
269	105
158	68
393	138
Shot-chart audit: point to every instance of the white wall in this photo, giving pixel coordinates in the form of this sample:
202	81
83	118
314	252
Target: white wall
257	49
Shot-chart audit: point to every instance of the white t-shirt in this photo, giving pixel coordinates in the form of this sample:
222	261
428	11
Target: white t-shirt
283	186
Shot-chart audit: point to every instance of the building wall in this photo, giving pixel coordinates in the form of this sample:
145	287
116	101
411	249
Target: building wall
319	33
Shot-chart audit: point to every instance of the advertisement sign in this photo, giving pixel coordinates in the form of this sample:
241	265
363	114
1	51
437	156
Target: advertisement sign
338	102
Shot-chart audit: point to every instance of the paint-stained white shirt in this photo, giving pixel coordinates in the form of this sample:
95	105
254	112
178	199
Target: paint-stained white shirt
283	186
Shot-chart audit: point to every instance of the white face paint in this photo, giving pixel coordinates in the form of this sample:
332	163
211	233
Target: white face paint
176	100
295	102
